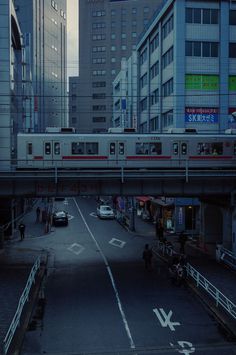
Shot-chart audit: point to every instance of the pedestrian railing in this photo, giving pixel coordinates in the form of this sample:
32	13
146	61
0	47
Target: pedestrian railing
218	296
201	281
24	298
226	256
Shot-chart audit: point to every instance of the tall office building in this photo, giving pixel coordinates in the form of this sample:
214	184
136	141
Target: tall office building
108	32
44	22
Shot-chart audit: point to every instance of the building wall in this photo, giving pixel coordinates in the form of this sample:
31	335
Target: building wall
108	31
10	81
46	22
194	85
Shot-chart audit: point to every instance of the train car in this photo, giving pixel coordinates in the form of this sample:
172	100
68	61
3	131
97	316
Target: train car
78	151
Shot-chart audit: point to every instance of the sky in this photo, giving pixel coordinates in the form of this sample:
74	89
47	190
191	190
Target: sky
72	38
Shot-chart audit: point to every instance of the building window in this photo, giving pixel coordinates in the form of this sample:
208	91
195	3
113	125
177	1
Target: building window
134	34
146	9
113	72
154	97
232	17
74	120
232	50
113	59
99	72
203	16
168	88
99	37
99	60
143	80
123	47
168	119
134	23
99	96
123	11
99	107
73	97
167	27
201	49
167	58
113	36
154	123
113	48
99	49
143	56
98	13
99	119
143	104
154	70
154	43
98	25
123	35
99	84
73	109
134	10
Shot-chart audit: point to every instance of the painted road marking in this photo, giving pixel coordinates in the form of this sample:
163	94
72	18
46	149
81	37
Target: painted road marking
164	318
186	347
93	214
117	242
76	248
70	217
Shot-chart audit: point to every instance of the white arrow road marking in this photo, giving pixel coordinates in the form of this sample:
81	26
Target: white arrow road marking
70	217
76	248
164	318
93	214
117	242
186	351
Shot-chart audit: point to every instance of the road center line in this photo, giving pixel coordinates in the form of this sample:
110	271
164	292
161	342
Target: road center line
132	345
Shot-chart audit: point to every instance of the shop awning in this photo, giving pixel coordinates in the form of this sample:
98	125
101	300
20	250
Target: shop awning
160	202
143	198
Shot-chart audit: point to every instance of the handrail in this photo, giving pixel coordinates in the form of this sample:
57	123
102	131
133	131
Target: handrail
214	292
218	296
24	297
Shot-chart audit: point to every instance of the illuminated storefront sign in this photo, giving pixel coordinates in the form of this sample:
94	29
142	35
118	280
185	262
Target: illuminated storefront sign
201	115
201	82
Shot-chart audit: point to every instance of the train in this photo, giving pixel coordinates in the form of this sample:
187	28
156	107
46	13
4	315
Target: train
125	150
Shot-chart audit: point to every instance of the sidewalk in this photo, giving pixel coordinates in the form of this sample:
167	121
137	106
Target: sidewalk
16	261
204	261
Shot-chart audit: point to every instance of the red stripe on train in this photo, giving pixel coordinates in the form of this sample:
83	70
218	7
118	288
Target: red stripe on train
38	157
148	157
211	157
84	157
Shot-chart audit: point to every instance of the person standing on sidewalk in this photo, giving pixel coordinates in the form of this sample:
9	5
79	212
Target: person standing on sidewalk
147	257
22	230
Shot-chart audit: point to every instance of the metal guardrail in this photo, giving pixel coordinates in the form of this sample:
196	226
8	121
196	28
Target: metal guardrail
226	256
201	281
218	296
24	298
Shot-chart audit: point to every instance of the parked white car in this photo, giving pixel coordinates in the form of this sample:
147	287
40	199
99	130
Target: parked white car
105	211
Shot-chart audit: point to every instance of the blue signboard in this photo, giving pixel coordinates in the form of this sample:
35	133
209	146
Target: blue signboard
201	115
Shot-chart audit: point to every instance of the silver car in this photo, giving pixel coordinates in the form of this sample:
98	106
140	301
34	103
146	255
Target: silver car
105	211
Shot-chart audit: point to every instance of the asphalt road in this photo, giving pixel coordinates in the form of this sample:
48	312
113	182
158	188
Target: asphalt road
101	300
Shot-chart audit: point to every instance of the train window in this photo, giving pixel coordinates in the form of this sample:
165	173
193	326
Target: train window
175	148
57	149
210	148
142	148
234	148
47	148
155	148
92	148
29	148
77	148
184	148
121	148
112	149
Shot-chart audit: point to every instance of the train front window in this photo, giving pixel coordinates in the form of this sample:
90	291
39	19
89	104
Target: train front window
112	149
77	148
121	148
57	149
175	148
92	148
184	148
47	148
29	148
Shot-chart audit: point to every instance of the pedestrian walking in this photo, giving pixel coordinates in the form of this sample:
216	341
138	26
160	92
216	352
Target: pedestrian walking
22	230
37	214
182	240
147	257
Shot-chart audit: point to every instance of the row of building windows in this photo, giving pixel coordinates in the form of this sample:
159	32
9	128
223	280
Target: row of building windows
154	43
99	119
99	60
99	96
201	49
168	88
207	16
167	27
124	35
99	72
99	107
154	70
167	58
99	37
98	25
124	11
98	13
98	84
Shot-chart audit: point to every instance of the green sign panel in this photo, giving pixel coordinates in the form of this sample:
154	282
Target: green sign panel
201	82
232	83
